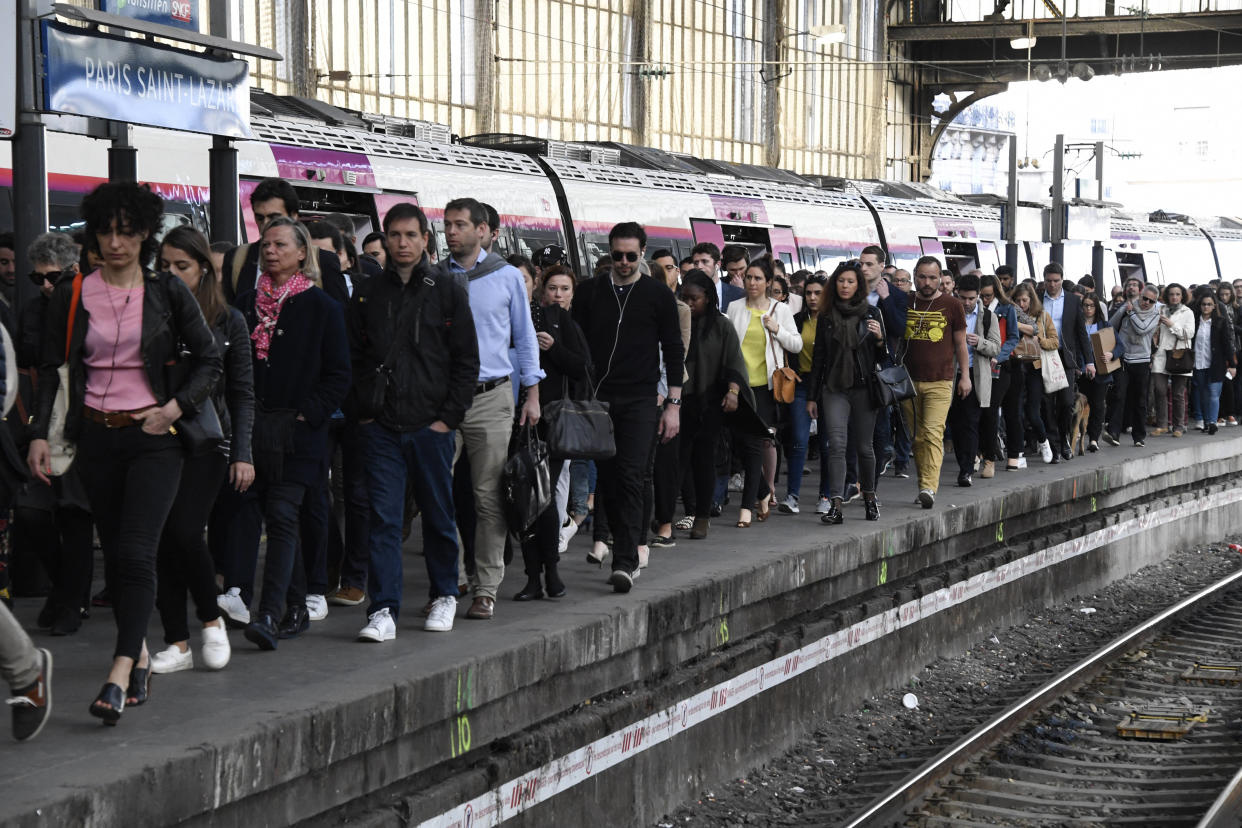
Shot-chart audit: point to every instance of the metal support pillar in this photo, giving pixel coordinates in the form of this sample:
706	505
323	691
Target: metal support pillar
1056	226
1097	249
222	177
486	96
122	155
773	46
1011	208
30	215
300	57
640	83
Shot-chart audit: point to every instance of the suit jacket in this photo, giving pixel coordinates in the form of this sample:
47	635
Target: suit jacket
329	273
731	293
1073	332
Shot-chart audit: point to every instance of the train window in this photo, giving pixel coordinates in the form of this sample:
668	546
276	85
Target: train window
594	248
530	240
807	257
961	257
787	259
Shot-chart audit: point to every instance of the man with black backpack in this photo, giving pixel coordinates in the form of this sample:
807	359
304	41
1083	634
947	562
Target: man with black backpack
982	344
416	362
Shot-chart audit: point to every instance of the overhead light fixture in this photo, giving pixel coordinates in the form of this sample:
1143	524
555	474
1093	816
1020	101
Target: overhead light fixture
825	35
1027	41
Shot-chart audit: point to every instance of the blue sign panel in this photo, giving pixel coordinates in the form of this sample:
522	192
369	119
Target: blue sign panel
180	13
102	76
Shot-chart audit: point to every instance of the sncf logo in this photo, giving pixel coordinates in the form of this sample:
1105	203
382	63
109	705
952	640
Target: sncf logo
182	10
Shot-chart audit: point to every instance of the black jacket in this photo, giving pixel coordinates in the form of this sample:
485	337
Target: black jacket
433	371
869	352
329	274
170	319
1223	353
1073	331
565	364
307	365
234	394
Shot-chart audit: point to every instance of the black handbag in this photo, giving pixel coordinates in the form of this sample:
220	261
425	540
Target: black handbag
202	433
1179	361
891	385
526	481
578	429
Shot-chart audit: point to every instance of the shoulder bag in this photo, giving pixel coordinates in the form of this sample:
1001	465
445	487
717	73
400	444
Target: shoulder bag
201	433
578	429
1027	349
526	480
891	385
1179	360
784	379
62	451
1052	371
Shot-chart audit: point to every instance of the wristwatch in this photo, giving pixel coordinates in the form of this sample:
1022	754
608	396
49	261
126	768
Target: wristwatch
672	401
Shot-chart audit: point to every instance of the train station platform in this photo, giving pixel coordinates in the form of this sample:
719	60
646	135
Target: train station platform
601	708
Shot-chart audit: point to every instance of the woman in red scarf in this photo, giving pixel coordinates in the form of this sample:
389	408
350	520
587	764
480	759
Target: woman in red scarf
301	376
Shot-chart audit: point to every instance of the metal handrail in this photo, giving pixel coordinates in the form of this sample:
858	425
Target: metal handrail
993	731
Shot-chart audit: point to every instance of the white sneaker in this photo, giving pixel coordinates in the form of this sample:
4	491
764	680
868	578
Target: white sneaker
216	649
316	607
736	482
1197	425
232	605
172	660
379	628
644	555
1045	452
567	534
824	506
789	506
440	619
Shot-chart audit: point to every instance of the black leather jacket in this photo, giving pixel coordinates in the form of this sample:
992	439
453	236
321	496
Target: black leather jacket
234	394
170	318
866	355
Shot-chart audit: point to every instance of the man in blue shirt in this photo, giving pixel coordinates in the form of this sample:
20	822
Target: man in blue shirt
1066	311
501	313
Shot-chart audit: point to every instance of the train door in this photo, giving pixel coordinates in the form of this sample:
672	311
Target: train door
706	230
961	257
1144	266
989	257
783	245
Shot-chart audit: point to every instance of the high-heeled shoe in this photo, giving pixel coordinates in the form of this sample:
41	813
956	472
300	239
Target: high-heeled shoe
598	554
762	510
113	695
743	518
139	686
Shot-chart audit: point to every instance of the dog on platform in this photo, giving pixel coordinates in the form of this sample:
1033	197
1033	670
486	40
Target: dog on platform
1078	425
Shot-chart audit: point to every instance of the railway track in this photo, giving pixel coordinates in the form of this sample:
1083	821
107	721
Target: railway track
1146	730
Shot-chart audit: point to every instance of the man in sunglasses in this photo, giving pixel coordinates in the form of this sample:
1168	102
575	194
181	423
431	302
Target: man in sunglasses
630	323
1135	322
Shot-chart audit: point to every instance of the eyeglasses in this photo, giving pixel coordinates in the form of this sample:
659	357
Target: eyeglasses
624	255
1146	299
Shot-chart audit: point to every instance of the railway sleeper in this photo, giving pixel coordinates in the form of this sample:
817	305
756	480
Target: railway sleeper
1207	792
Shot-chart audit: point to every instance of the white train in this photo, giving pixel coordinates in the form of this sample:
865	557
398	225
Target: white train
545	196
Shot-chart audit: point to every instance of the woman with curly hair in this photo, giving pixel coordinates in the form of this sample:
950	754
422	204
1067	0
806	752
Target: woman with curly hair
118	328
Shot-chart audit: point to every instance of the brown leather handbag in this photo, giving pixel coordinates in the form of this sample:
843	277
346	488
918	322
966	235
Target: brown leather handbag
1027	349
784	380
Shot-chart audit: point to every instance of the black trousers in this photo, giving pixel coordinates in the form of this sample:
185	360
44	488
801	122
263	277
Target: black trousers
620	482
964	416
1095	392
131	479
348	550
233	533
1059	408
184	564
541	547
702	420
1132	381
55	521
284	574
989	418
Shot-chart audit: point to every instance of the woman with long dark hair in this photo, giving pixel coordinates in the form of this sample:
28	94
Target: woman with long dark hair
1177	326
848	335
1215	358
718	384
1096	388
118	328
1226	301
806	322
1034	321
184	563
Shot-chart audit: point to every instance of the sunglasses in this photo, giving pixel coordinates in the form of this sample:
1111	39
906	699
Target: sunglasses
624	255
1146	299
54	277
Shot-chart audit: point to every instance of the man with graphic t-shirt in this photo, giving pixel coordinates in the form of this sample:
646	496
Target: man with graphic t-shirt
935	344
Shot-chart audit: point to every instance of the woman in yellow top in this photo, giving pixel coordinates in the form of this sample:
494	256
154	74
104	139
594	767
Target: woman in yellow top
766	330
799	421
1034	321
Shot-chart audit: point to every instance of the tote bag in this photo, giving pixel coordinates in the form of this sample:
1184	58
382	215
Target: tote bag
1053	372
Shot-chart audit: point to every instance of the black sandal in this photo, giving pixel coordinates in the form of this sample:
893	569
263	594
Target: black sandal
139	686
111	694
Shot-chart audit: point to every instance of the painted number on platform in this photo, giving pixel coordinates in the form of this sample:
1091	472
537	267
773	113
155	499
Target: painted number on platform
459	725
722	632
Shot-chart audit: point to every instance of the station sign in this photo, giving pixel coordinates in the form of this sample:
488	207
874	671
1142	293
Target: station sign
180	13
124	79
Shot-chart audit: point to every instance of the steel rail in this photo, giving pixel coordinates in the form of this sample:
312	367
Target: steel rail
891	805
1227	808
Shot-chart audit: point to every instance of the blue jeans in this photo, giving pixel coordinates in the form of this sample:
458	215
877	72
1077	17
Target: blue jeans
581	473
426	457
800	434
1207	395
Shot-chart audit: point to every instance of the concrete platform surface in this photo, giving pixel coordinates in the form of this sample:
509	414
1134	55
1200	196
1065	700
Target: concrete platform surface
208	740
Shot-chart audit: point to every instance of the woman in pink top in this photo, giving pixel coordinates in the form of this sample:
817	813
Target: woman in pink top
119	329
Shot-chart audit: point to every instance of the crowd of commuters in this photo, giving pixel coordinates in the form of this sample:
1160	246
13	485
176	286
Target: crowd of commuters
179	400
